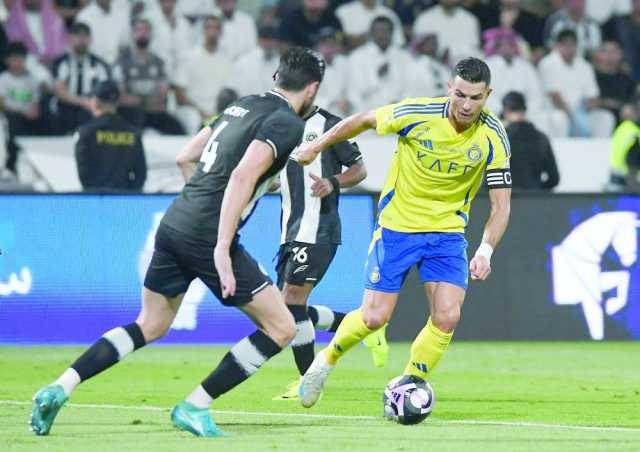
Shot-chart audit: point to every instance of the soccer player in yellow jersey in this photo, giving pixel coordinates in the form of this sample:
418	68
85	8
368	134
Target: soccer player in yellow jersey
445	147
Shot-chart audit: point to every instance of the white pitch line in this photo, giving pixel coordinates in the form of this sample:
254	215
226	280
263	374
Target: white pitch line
347	417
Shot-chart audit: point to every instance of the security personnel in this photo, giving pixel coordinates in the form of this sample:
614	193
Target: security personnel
624	152
108	149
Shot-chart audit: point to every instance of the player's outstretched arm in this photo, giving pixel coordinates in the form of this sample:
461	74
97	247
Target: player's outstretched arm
480	265
189	156
346	129
241	186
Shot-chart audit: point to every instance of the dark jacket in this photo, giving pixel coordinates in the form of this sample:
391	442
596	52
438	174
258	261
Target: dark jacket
110	155
533	166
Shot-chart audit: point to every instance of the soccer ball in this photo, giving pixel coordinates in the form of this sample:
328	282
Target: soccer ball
408	399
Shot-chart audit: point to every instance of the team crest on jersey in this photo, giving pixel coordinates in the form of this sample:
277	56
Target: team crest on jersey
475	153
311	136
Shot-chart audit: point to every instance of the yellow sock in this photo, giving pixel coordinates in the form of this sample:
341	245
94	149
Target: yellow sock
427	349
351	331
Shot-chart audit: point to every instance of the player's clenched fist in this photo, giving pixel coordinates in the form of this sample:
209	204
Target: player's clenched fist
306	154
479	267
225	271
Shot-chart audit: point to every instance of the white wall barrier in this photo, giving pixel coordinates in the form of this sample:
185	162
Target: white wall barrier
583	163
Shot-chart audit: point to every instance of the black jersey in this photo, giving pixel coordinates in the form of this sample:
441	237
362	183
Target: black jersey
267	117
306	218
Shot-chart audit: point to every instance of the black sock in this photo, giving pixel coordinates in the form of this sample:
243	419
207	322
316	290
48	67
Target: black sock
324	319
242	361
110	348
304	341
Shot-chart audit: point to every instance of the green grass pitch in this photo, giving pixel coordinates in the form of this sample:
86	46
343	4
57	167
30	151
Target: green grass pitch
490	396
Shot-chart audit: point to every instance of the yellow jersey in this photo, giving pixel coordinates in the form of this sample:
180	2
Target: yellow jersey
436	171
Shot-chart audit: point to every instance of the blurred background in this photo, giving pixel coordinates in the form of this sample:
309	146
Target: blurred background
565	81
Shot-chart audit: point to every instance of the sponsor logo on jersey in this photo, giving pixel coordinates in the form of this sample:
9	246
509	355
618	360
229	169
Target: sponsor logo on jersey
300	269
311	136
235	111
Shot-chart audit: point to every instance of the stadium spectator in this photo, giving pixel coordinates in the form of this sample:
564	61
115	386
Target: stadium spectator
226	97
602	11
38	26
427	75
615	85
333	91
570	83
301	27
628	28
253	73
511	72
108	149
144	84
239	35
75	74
624	152
111	24
20	93
202	75
527	25
356	18
533	165
458	30
407	11
69	9
377	70
573	16
171	34
488	16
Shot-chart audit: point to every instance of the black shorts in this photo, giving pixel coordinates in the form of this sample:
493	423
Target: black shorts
179	258
303	263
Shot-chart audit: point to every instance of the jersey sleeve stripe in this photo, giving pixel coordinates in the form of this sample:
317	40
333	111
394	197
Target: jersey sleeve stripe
497	129
501	133
274	147
417	111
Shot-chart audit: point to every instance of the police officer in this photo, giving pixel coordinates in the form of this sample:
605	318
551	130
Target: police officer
108	149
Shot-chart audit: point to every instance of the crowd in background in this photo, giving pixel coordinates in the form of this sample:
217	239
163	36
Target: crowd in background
178	62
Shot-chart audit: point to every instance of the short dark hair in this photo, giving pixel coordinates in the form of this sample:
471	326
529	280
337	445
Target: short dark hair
473	70
566	33
17	48
80	28
298	67
514	101
383	20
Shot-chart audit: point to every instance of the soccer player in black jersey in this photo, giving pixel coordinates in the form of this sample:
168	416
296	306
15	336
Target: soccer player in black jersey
229	165
311	233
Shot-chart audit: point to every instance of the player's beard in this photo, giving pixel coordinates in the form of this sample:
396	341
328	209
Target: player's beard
308	103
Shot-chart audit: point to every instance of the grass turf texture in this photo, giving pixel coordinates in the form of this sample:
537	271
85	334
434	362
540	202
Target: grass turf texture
514	384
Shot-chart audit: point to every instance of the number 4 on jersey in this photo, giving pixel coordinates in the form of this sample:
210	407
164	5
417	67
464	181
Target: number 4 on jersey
211	148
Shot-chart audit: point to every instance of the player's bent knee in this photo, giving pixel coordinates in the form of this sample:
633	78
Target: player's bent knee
374	320
153	329
282	333
446	319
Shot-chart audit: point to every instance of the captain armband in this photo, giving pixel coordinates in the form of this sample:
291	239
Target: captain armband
499	178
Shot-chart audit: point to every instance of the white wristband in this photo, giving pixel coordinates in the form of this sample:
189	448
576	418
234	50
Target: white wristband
485	250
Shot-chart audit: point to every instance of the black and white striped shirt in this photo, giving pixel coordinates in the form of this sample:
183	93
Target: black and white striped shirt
306	218
80	74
